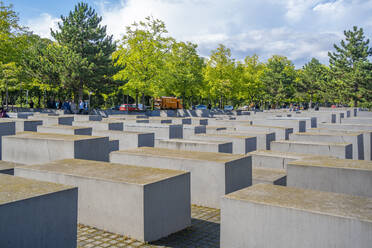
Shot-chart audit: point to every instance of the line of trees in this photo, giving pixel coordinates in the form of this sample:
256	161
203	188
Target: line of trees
83	61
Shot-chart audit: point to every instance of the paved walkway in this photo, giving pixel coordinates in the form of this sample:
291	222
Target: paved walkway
204	232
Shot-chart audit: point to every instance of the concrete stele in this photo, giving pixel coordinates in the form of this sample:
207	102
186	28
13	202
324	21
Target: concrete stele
289	217
143	203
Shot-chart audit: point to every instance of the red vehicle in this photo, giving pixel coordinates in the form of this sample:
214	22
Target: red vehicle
128	107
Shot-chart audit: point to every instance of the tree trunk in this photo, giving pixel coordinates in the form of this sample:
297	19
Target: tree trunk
136	98
311	101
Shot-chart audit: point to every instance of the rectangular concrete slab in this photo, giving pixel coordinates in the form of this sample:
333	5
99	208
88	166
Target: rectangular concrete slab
212	174
129	139
333	175
269	176
285	217
242	144
353	138
8	167
6	128
100	125
281	133
162	131
195	145
33	148
143	203
338	150
37	214
54	120
64	129
263	138
274	159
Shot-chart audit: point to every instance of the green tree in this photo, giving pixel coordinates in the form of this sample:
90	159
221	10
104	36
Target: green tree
278	78
142	54
91	49
312	80
349	63
220	74
183	71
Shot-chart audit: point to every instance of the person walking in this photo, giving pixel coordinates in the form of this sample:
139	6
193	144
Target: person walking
81	107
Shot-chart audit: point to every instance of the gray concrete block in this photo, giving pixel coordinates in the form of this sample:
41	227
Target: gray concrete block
33	148
297	125
162	131
212	174
191	130
8	167
242	144
128	139
195	145
87	117
263	138
284	217
100	125
281	133
54	120
358	120
37	214
334	175
269	176
338	150
353	138
143	203
273	159
64	129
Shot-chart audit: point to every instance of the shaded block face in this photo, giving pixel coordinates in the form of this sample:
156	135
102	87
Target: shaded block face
143	203
312	218
33	148
332	175
37	214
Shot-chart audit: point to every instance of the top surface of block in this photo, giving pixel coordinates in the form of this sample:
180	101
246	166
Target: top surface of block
5	165
327	134
170	153
279	154
267	174
190	141
319	202
51	136
118	132
226	135
310	143
14	189
107	171
62	127
334	162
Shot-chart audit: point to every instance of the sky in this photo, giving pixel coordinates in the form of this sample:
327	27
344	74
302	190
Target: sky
297	29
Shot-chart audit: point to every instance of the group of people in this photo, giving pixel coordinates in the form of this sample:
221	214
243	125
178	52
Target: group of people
68	105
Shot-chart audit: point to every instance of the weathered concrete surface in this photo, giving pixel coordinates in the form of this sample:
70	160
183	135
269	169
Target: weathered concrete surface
263	138
356	139
358	120
128	139
367	138
162	131
242	144
143	203
87	117
8	167
195	145
281	133
34	148
297	125
6	128
37	214
64	129
212	174
100	125
269	176
191	130
333	175
54	120
22	125
350	127
274	159
338	150
311	218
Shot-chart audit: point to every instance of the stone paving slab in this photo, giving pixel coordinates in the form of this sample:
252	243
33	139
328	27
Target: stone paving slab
203	232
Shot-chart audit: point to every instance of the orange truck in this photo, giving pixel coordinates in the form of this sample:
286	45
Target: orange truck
166	102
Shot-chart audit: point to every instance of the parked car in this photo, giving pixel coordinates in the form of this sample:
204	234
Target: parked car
128	107
200	106
228	107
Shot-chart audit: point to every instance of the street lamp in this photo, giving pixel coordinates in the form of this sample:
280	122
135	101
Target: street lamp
90	93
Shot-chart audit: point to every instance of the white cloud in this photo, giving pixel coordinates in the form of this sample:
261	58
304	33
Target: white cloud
298	29
42	25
